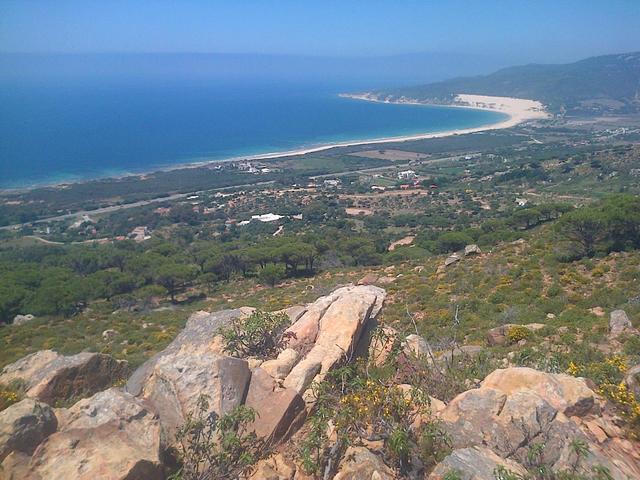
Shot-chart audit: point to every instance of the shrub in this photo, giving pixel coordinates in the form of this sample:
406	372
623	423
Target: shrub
360	408
271	274
452	241
212	446
10	394
258	335
517	333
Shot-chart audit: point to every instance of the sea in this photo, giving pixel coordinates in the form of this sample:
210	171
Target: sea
61	130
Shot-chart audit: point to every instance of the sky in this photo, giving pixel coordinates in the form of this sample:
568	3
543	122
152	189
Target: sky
516	30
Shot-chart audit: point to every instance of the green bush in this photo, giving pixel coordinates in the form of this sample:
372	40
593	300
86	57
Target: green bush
259	335
212	446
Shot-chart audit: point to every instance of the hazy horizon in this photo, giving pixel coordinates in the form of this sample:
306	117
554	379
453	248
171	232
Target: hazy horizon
523	32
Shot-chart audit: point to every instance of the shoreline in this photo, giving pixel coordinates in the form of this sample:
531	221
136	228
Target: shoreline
517	111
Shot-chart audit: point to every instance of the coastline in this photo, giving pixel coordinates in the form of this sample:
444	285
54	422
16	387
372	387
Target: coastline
517	111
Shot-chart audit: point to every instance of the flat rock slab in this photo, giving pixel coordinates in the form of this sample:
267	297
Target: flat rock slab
279	412
50	377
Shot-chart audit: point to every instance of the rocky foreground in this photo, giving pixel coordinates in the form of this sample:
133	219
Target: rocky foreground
127	432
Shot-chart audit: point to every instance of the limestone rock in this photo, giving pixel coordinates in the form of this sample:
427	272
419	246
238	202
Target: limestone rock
280	367
474	463
567	394
619	323
49	376
358	463
279	412
24	425
341	318
472	249
110	435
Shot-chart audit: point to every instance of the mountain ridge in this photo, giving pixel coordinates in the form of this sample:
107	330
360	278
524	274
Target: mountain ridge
592	86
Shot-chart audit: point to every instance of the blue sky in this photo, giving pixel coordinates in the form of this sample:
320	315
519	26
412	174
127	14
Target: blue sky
536	30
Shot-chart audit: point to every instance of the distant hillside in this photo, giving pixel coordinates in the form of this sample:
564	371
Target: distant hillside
606	84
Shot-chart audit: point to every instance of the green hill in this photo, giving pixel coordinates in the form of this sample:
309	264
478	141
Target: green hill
596	85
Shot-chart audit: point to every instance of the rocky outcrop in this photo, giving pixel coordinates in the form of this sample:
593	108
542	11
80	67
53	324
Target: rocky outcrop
110	435
191	366
474	463
180	379
50	377
200	334
518	407
24	425
339	319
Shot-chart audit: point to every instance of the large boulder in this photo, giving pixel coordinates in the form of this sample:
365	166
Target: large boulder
279	411
359	463
190	367
200	334
180	379
518	407
51	377
474	463
110	435
341	318
24	425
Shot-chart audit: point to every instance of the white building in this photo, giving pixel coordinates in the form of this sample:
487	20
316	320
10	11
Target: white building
406	175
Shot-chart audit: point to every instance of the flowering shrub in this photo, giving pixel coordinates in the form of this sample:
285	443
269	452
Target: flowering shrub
353	407
608	376
9	394
517	333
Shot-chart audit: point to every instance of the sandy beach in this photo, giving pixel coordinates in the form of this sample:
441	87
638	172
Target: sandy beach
519	110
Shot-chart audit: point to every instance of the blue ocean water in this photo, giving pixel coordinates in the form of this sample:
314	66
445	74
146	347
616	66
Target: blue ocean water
60	131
